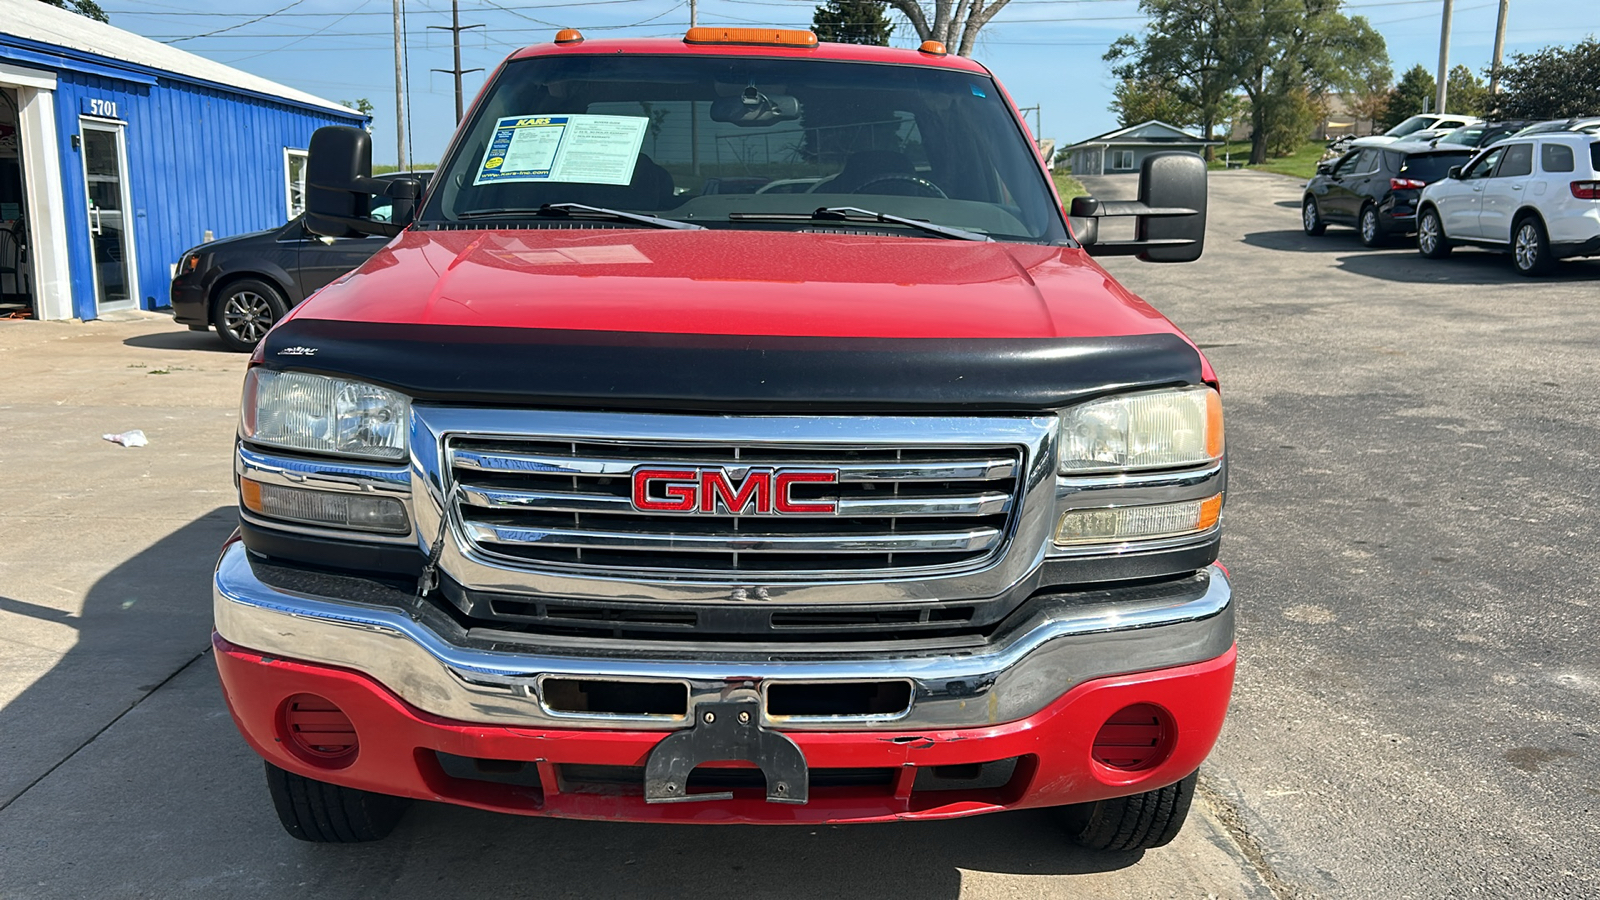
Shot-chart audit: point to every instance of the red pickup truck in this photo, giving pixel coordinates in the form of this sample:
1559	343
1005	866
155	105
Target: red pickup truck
738	430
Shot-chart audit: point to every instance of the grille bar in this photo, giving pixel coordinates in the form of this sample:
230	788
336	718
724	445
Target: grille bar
569	503
987	503
976	539
985	469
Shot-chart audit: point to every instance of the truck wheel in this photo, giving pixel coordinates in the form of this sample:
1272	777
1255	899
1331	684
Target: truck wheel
244	311
1372	234
1530	247
1431	240
325	813
1311	217
1140	822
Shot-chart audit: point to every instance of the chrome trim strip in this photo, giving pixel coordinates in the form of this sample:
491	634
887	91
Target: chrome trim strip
1019	672
1181	478
959	470
322	474
749	542
986	504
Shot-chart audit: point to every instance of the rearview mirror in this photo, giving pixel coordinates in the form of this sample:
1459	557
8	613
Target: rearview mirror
339	186
751	108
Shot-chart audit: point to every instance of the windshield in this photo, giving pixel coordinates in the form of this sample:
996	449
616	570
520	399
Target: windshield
716	140
1469	135
1410	126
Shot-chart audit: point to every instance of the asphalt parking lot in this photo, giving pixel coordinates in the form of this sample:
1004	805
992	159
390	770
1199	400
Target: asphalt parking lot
1411	529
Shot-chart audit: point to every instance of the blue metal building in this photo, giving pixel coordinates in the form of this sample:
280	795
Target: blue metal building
117	153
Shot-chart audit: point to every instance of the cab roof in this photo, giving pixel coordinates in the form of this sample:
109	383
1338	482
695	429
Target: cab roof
823	51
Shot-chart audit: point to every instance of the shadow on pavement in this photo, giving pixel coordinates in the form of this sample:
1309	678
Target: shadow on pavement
480	854
178	340
140	623
1464	267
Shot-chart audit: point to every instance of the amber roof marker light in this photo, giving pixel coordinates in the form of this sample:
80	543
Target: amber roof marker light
752	37
569	36
933	48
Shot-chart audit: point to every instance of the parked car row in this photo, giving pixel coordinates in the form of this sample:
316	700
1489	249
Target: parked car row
1535	196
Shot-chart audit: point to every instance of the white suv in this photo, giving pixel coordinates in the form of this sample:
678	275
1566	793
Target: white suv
1537	197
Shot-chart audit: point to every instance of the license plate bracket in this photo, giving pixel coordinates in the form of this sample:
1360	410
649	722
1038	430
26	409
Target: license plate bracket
726	731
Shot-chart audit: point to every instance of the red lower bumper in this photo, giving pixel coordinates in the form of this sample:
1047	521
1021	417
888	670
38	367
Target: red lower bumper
397	747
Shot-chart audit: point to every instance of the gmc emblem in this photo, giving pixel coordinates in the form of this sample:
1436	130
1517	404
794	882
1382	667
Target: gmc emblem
762	492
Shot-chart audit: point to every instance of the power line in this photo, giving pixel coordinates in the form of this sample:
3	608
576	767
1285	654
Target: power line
240	25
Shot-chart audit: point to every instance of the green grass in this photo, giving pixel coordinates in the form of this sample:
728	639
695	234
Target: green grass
1067	186
1300	164
414	167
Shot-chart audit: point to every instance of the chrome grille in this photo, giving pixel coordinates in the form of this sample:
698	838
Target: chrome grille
568	504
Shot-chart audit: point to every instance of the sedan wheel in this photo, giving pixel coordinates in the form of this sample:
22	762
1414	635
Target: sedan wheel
245	312
1531	249
1311	217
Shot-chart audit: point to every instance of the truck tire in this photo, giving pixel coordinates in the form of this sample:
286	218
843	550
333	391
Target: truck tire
323	813
1140	822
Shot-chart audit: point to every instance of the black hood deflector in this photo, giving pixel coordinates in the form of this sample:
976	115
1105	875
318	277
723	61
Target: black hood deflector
699	373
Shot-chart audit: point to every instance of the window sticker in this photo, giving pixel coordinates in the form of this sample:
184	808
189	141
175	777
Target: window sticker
977	91
574	148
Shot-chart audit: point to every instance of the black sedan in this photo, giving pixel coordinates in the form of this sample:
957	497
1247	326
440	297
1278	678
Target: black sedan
243	285
1375	189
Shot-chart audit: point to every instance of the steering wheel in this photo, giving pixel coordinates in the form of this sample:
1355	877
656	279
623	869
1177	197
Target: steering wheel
927	187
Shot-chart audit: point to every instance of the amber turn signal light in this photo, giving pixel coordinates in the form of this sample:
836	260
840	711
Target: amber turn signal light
569	36
759	37
933	48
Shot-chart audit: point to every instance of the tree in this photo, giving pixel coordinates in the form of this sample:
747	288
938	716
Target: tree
1136	101
87	8
1370	101
954	23
1291	51
852	22
361	105
1183	63
1412	96
1553	83
1465	94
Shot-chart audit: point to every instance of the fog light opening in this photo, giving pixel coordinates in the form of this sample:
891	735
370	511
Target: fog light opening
316	730
1135	738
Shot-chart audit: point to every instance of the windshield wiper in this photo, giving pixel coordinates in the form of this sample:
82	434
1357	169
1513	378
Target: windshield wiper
857	214
570	209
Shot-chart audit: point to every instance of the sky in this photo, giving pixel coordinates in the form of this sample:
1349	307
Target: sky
1046	52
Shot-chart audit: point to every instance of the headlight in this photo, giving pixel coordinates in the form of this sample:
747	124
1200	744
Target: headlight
324	415
1162	429
1115	524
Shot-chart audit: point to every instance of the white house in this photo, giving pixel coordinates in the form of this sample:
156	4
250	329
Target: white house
1124	150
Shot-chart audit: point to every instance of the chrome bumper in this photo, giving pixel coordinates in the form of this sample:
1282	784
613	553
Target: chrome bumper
1022	668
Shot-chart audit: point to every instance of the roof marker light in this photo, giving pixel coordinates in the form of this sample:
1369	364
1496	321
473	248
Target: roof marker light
760	37
569	36
933	48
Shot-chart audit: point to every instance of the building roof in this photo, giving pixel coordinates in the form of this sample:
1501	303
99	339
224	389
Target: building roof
41	23
1151	133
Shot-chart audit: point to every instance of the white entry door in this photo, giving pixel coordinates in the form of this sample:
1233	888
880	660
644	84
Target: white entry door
105	178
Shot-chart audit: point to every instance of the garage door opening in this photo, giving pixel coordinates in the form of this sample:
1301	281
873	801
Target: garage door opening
16	281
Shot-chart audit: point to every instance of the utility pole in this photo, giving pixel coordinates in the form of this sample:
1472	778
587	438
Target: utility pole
399	95
1499	48
691	13
1443	91
455	28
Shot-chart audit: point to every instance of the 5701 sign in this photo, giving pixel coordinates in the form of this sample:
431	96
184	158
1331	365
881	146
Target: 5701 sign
104	109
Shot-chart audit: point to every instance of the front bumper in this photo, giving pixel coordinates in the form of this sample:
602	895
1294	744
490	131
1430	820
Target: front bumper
1031	696
188	298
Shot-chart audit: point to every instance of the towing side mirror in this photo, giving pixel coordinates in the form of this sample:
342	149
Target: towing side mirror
1170	214
340	186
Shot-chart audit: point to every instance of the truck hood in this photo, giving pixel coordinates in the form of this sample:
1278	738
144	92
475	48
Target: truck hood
737	282
732	319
